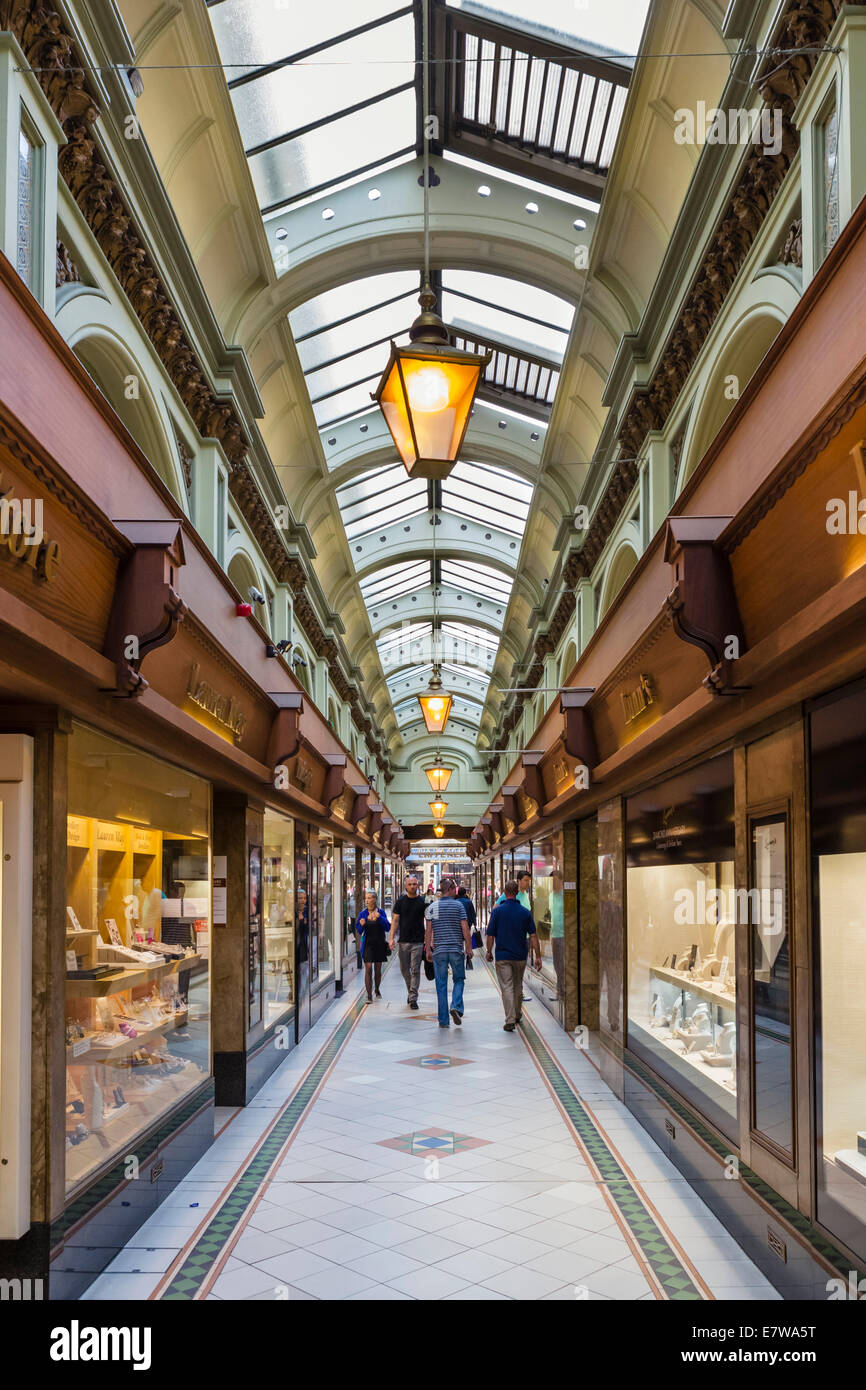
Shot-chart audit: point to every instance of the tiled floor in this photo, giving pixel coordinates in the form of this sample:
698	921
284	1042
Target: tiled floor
431	1181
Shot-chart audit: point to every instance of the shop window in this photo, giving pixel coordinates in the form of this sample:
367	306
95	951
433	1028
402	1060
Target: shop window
838	823
682	911
828	132
548	908
324	961
772	1061
350	899
278	888
27	230
137	946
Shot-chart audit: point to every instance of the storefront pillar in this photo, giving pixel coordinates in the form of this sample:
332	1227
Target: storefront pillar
582	1006
611	939
237	824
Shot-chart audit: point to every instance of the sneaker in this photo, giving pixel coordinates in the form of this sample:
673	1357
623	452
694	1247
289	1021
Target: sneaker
413	1003
458	1017
509	1027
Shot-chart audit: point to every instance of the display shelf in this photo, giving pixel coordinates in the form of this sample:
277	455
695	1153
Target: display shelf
687	1064
116	984
697	987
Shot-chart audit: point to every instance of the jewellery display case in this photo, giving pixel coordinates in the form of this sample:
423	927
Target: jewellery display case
682	910
137	935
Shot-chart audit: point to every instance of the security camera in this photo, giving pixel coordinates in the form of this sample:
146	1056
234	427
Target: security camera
299	659
255	595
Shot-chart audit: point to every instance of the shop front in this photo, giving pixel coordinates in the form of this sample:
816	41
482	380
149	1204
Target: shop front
177	817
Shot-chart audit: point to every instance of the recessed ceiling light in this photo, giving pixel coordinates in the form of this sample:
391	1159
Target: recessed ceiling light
327	214
374	194
483	190
579	225
534	437
281	233
532	207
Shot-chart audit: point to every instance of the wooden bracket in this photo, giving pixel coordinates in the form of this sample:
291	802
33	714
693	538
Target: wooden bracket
361	807
703	602
334	779
284	739
375	817
533	783
147	607
578	733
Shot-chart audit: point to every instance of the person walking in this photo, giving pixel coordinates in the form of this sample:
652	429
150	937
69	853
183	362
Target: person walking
372	924
512	930
472	918
407	927
524	886
448	944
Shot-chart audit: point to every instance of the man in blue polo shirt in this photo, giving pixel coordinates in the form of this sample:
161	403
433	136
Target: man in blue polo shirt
512	929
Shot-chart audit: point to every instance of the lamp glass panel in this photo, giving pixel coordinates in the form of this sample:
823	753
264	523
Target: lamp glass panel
435	709
438	777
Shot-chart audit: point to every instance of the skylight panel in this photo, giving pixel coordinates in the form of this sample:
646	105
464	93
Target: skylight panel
477	579
333	307
533	317
488	495
334	151
466	638
380	498
395	580
352	335
258	33
615	26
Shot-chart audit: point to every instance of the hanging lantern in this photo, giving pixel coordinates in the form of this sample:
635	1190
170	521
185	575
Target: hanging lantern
439	831
435	704
438	807
438	777
427	392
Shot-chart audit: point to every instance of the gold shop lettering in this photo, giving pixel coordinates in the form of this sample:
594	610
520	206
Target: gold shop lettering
222	708
21	534
302	775
634	702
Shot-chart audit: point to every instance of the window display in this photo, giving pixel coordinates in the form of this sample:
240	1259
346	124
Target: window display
682	912
137	946
350	911
772	1061
548	908
325	905
838	750
279	915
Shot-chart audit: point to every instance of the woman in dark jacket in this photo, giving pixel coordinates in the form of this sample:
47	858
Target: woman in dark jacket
373	927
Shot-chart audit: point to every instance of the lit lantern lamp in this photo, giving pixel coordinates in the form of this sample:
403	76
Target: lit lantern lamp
435	704
439	831
438	777
438	807
427	392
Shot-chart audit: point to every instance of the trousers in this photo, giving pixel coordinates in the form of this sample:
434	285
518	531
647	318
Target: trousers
457	962
510	976
411	954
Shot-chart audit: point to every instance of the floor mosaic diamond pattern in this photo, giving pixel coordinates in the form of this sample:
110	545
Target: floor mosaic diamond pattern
435	1061
440	1142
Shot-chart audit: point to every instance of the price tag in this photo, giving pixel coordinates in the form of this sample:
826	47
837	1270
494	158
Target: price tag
114	931
71	960
82	1045
73	920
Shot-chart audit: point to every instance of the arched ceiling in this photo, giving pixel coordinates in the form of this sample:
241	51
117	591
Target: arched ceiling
291	151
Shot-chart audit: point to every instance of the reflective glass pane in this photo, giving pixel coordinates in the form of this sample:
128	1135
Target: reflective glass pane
771	983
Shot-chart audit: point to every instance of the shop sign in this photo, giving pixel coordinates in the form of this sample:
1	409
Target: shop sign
302	774
21	534
635	701
222	708
561	772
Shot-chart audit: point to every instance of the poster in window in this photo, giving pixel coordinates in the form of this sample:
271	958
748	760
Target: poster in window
255	935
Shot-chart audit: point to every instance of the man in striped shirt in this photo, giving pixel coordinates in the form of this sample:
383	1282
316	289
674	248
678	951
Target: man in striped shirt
448	942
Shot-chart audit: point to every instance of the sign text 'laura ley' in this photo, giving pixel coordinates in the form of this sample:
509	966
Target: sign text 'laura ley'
739	125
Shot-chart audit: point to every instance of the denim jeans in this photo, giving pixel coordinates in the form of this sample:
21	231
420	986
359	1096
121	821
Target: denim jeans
457	961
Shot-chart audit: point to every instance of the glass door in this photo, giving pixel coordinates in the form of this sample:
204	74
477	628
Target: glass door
303	918
772	1014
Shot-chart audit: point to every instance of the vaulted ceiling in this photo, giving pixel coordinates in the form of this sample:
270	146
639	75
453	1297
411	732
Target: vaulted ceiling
292	149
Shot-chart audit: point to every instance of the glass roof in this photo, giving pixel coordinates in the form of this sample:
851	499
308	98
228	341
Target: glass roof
325	93
320	91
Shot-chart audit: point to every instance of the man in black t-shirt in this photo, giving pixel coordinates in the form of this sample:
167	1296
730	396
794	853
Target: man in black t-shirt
407	924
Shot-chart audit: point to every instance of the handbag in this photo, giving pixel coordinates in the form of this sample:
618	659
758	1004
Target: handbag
476	940
429	971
